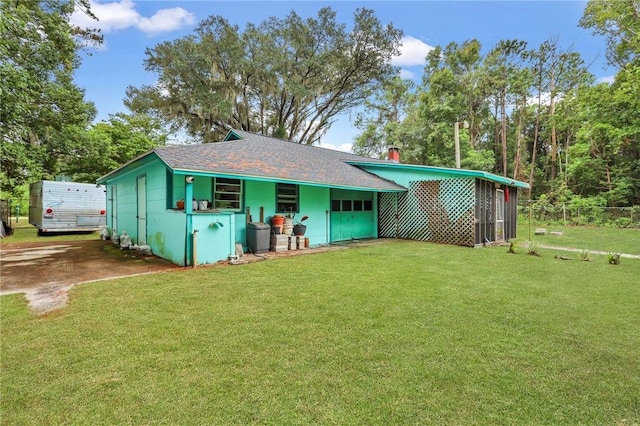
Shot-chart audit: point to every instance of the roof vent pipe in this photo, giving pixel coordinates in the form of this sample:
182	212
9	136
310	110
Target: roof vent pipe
394	154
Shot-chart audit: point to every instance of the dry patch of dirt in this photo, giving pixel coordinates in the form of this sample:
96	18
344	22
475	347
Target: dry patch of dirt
45	271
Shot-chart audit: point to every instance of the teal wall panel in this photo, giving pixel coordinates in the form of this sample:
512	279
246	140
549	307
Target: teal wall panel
315	202
178	189
403	176
165	228
215	236
167	236
203	188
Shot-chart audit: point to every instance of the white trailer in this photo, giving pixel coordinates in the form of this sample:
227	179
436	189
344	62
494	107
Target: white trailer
67	206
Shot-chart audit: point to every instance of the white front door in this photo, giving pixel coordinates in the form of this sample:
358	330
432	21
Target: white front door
499	215
142	210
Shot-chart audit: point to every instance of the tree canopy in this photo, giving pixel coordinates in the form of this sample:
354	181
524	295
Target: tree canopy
42	112
531	112
109	144
619	22
285	77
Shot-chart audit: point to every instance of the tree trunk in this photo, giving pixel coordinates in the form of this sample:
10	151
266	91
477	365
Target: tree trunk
496	138
554	136
503	136
566	158
517	158
536	132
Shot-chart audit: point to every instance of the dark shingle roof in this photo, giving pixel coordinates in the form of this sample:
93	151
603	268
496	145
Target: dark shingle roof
269	158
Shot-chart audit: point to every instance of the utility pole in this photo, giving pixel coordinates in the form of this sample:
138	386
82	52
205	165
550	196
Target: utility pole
456	138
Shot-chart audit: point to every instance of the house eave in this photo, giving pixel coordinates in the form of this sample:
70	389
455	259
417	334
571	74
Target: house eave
103	179
445	171
206	173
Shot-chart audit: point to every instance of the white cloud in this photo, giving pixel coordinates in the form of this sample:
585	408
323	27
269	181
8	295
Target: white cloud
412	52
166	20
408	75
345	147
545	99
122	14
608	79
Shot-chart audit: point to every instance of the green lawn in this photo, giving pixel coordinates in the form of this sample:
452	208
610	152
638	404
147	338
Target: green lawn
607	239
393	333
24	232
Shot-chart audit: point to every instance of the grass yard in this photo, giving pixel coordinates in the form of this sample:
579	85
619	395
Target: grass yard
24	232
393	333
607	239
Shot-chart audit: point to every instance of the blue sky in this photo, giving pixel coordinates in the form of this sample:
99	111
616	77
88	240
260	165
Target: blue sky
131	26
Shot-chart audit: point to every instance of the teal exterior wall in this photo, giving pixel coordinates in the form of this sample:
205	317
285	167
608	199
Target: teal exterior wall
213	233
405	176
165	228
172	232
313	201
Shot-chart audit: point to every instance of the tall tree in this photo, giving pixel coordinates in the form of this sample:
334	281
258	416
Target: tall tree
110	144
619	22
383	120
557	73
42	112
502	62
454	90
285	77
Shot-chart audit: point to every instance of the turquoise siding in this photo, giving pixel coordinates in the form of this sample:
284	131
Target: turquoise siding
313	202
165	228
213	231
170	232
404	177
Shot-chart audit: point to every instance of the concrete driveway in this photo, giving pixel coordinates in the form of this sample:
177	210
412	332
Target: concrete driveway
45	271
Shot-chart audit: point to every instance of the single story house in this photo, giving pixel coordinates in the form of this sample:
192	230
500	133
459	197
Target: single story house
248	178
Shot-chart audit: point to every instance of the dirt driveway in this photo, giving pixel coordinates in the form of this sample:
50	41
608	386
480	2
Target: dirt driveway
45	271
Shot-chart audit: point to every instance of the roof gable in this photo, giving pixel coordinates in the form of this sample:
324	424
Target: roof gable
249	155
260	157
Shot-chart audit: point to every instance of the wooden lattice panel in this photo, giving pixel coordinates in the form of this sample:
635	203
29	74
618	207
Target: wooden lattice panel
438	211
387	220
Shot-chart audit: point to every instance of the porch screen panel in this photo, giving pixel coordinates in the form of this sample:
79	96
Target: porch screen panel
485	217
511	214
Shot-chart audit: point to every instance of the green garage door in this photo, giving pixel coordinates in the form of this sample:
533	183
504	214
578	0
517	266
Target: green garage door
352	215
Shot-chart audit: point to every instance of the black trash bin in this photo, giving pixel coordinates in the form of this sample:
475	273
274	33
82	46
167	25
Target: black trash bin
258	237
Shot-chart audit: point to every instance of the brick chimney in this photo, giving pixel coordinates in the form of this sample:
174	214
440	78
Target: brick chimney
394	154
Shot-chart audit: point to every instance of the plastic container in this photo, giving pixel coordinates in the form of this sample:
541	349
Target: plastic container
258	237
